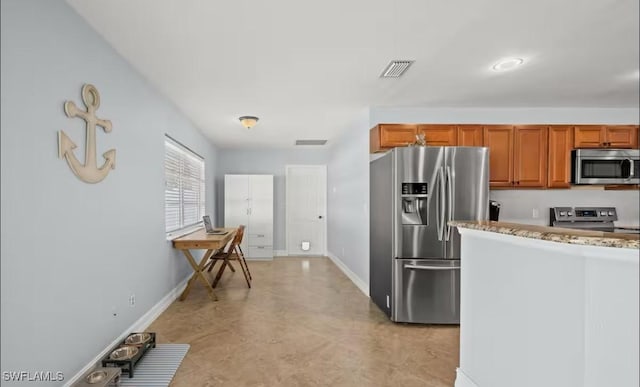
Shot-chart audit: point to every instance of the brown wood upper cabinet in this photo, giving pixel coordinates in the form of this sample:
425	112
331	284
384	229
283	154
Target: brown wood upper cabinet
559	161
530	156
439	135
470	135
386	136
499	140
383	137
517	155
605	136
621	136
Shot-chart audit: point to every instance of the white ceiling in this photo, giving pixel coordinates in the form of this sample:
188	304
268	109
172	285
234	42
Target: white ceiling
307	67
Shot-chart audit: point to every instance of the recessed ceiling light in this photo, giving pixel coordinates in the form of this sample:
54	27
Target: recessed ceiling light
507	64
632	76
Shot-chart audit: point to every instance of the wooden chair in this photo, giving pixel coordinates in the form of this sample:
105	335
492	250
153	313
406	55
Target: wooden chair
240	254
233	252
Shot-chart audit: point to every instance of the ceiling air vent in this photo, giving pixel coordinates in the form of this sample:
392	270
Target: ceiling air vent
396	68
311	142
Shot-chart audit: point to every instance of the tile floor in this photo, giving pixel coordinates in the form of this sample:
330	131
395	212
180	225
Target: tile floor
304	323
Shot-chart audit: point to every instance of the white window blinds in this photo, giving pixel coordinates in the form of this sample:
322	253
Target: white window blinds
184	195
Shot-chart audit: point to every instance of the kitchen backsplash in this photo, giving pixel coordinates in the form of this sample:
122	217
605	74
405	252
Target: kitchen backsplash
520	206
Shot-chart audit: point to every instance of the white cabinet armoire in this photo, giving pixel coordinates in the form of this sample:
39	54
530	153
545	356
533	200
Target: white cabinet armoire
248	200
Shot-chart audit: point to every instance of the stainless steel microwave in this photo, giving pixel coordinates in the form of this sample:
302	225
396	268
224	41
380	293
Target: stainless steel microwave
606	166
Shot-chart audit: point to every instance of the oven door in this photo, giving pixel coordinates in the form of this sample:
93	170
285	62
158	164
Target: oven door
610	166
626	230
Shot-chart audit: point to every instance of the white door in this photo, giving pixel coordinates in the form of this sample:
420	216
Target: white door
306	204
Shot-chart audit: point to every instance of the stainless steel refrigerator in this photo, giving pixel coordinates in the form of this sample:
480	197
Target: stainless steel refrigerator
414	254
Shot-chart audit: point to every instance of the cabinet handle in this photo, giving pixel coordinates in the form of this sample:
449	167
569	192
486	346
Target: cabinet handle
260	235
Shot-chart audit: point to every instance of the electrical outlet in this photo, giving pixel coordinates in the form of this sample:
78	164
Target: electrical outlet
132	300
535	213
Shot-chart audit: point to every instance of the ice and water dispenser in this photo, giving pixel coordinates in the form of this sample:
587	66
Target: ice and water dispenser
415	209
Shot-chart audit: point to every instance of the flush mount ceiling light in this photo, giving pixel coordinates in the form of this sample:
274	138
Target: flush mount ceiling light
248	121
396	68
507	64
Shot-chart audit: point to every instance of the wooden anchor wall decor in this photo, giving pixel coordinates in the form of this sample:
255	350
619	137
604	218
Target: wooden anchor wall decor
88	172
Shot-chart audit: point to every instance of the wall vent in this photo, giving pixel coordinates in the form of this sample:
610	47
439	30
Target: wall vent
311	142
396	68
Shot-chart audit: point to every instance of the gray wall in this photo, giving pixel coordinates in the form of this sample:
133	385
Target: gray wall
265	161
348	198
517	205
72	252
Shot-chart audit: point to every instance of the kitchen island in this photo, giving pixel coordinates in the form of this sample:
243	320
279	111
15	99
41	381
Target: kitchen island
544	306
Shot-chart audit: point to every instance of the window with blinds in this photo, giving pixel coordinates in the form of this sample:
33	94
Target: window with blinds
184	196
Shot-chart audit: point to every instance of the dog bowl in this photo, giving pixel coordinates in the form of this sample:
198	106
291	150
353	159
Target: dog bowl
125	352
96	377
138	338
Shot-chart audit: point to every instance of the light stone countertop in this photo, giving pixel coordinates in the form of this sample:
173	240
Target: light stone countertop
555	234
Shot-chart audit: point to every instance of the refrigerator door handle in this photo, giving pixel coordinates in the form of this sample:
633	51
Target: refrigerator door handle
449	203
432	267
440	205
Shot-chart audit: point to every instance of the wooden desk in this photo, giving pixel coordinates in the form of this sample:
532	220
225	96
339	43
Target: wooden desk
200	240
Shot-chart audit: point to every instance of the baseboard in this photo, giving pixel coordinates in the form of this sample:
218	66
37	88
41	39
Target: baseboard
140	325
462	380
364	287
280	253
259	259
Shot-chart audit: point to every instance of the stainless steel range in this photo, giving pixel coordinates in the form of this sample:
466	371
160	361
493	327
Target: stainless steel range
588	218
